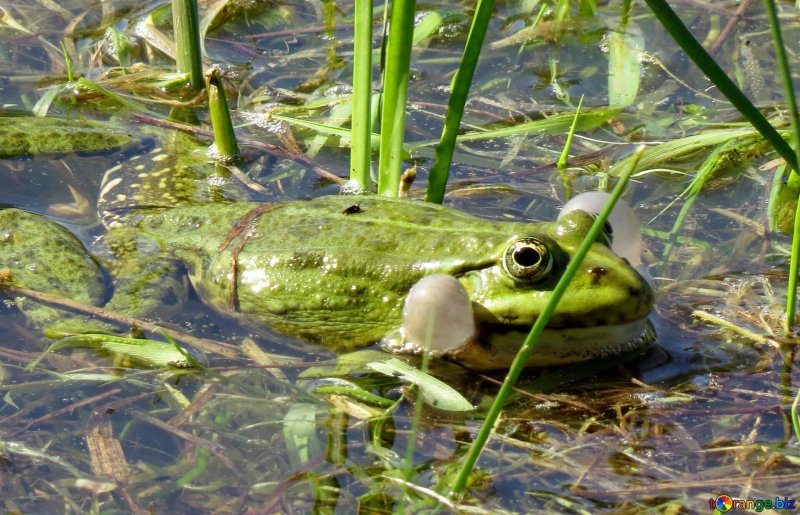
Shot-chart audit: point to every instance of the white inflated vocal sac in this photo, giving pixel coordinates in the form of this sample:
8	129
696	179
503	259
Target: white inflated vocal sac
437	314
626	240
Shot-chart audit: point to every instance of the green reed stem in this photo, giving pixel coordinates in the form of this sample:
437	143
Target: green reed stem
788	91
791	293
529	345
395	91
563	159
361	124
711	69
459	90
187	40
795	418
224	136
67	62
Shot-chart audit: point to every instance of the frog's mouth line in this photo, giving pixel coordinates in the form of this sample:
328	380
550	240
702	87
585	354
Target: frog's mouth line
556	346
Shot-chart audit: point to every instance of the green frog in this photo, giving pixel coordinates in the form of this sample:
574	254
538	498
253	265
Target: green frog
337	270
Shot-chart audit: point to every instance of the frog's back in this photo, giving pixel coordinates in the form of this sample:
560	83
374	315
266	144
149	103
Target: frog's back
33	135
332	269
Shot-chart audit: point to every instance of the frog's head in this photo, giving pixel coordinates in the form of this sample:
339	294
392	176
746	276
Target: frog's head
603	312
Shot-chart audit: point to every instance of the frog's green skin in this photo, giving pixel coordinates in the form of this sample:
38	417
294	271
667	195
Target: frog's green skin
329	272
324	271
26	135
43	256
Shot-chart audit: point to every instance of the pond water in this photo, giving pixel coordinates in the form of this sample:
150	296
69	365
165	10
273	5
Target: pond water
704	413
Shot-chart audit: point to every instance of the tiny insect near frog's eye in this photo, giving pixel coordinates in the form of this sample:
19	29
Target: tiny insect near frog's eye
532	260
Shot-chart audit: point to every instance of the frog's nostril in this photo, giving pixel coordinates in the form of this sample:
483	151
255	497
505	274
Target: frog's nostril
597	273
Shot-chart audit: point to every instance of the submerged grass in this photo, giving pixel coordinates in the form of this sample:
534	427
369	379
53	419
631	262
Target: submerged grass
715	74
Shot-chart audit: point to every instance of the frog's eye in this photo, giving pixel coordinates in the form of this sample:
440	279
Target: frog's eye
531	260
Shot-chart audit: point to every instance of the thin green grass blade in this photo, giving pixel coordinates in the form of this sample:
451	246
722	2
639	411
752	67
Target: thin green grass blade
356	392
556	124
791	104
339	115
795	418
186	30
679	148
123	101
147	352
561	164
794	264
459	90
564	157
708	66
361	125
775	198
529	345
395	91
67	62
416	417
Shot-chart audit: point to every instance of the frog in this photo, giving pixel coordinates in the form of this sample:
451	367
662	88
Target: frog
340	271
40	135
44	256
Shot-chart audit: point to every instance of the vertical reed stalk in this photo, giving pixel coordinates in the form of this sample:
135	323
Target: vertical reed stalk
361	125
459	90
187	40
395	90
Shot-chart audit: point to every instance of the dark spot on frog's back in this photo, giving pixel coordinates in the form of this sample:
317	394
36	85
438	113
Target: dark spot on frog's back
352	210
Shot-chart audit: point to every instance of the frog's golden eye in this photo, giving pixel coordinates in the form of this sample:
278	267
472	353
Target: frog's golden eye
532	260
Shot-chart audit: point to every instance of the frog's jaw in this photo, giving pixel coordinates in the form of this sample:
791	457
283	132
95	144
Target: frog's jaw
555	346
